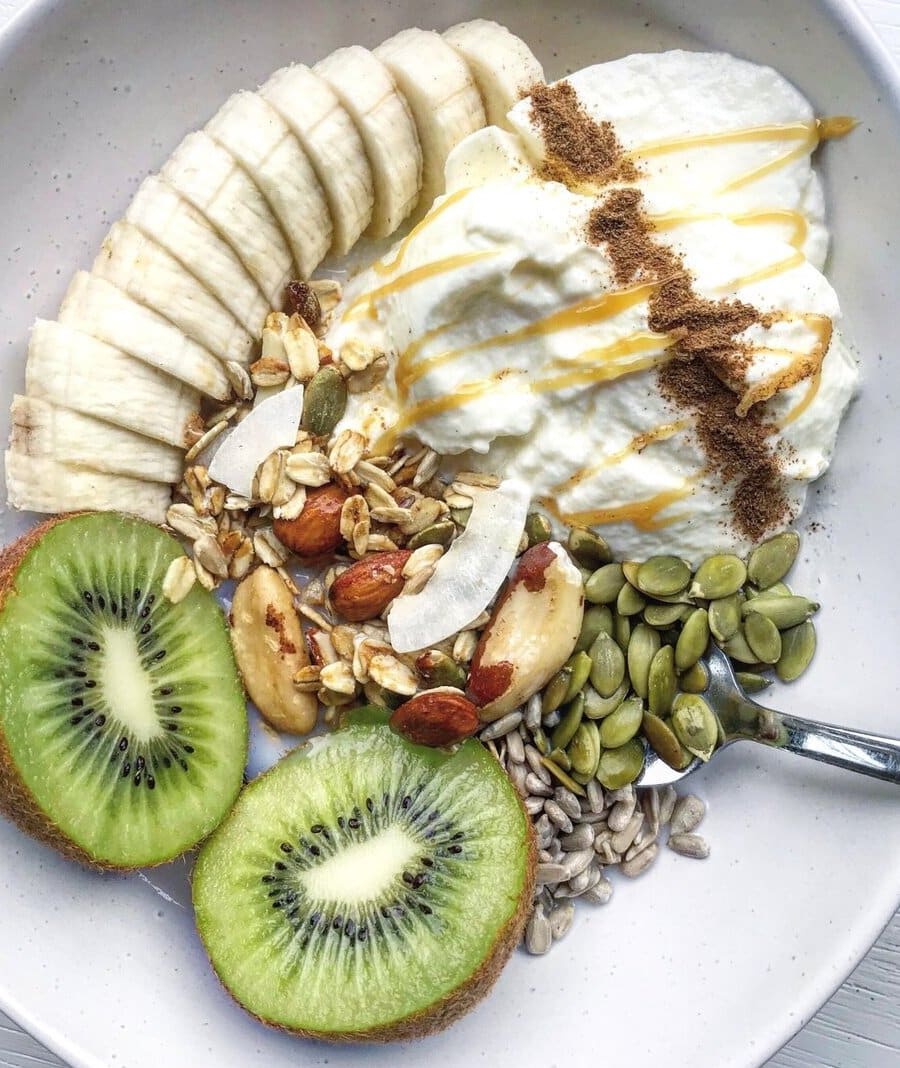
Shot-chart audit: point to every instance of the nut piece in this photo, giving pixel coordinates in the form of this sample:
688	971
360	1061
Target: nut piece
317	530
436	717
364	590
531	633
269	649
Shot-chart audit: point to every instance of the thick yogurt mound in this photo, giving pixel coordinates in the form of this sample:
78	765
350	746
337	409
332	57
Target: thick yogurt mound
515	347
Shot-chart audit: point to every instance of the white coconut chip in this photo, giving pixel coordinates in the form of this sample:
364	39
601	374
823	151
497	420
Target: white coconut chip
269	426
468	575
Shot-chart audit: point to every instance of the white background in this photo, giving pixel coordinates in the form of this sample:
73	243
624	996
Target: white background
858	1028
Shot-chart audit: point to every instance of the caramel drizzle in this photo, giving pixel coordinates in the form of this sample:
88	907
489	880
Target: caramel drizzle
388	266
800	407
637	445
803	365
794	220
644	515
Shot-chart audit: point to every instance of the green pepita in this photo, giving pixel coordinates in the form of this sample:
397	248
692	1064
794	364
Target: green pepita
580	666
555	691
622	631
693	640
325	401
763	638
630	569
798	644
460	516
565	730
664	615
562	777
719	576
751	682
630	602
662	683
440	533
619	767
596	707
541	741
588	548
772	560
560	758
607	665
623	724
438	669
597	619
777	589
642	648
725	617
784	612
537	529
664	741
738	649
695	725
663	576
584	749
695	679
604	584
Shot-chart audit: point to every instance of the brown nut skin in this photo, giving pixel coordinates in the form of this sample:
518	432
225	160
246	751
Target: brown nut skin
317	530
366	588
439	717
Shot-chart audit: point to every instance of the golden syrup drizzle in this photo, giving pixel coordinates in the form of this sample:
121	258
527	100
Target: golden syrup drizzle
637	445
604	364
644	515
803	364
800	407
794	220
388	266
771	270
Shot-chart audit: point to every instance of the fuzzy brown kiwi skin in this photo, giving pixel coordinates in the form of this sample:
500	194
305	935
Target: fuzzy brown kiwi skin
453	1006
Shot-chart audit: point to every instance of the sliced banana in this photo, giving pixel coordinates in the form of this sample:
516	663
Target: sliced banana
503	66
162	214
212	180
99	308
364	85
76	371
149	275
442	96
42	430
38	484
325	130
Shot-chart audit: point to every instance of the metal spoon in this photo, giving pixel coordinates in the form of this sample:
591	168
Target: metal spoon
746	720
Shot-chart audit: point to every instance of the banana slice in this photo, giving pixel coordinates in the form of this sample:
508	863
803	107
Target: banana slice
37	484
44	431
99	308
160	213
503	66
76	371
260	140
443	99
149	275
327	134
365	87
210	178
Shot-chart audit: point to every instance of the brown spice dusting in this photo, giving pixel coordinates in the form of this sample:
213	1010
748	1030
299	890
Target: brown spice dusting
578	149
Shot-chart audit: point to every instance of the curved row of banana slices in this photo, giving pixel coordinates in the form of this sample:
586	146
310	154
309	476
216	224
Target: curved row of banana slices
182	285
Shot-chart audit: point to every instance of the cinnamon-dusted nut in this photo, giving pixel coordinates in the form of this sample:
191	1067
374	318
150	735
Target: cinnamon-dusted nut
269	649
441	716
364	590
532	631
317	530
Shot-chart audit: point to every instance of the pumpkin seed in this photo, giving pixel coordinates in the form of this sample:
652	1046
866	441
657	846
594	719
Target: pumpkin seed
695	679
555	691
725	617
438	669
560	758
325	401
772	560
664	741
777	589
784	612
693	640
596	707
630	569
762	637
568	725
630	602
663	576
662	683
537	529
798	644
460	516
642	648
584	749
695	725
580	666
607	665
588	548
597	619
737	648
622	631
751	682
604	584
440	533
719	576
619	767
541	742
664	615
562	777
623	724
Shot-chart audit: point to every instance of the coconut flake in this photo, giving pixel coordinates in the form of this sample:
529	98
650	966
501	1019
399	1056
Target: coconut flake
269	426
468	576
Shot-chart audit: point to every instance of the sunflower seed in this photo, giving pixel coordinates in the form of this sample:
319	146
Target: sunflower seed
561	920
798	645
650	806
687	814
667	799
558	817
663	576
549	873
515	748
534	805
576	862
568	802
693	640
595	797
502	726
689	845
538	786
538	935
642	841
600	893
579	883
639	864
771	561
517	774
719	576
582	837
620	814
533	758
622	840
533	712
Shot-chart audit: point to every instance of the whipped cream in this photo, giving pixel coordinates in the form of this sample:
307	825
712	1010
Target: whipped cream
513	348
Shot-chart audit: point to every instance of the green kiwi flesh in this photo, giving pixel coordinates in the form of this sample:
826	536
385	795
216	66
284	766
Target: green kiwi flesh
367	889
123	727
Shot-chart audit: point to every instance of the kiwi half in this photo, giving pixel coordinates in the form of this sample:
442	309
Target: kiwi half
123	727
366	889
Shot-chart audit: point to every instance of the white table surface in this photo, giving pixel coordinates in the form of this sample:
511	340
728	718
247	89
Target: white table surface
858	1028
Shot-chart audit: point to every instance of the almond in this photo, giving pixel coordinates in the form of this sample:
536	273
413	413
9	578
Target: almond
364	590
317	529
441	716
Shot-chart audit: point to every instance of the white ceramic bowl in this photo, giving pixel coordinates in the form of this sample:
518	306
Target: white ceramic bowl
697	964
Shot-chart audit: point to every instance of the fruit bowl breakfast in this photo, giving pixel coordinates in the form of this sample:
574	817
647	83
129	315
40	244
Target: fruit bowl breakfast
485	404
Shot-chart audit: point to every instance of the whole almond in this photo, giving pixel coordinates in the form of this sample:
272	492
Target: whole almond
317	529
364	590
442	716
